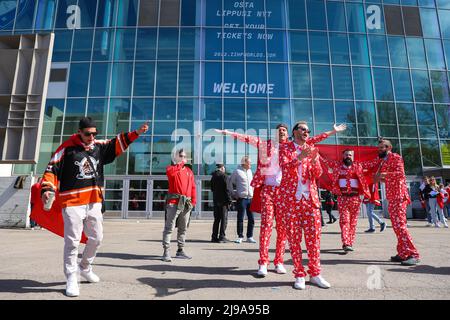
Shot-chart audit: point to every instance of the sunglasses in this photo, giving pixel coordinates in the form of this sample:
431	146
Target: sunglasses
88	134
304	129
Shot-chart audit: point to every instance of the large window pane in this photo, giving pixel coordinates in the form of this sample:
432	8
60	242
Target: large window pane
98	110
187	84
144	78
166	76
387	119
165	116
168	44
416	52
88	12
300	80
119	116
362	81
339	48
421	85
323	115
139	163
25	15
297	16
336	16
299	46
430	25
103	44
121	79
345	113
439	83
100	79
367	121
435	54
444	19
443	120
146	44
316	15
188	12
126	13
356	17
426	121
342	82
318	44
256	73
82	45
303	110
187	44
78	79
402	85
45	14
321	81
430	153
124	45
378	50
383	87
212	7
142	110
276	47
397	52
278	78
148	13
407	120
410	150
279	111
105	15
62	45
359	49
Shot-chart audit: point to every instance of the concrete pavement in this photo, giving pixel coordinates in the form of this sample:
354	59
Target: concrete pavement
129	266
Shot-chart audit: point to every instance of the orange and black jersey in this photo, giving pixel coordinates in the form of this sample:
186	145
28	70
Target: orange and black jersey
70	173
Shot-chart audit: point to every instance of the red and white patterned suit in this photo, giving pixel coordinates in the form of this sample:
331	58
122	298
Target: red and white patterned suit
398	199
301	215
348	183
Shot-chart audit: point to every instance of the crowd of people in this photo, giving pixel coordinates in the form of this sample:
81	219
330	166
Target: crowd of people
284	190
435	200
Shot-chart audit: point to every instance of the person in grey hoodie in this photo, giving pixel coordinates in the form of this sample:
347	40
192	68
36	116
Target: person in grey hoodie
241	178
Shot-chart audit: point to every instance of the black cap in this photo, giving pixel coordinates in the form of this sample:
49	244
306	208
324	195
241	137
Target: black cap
219	165
87	122
282	125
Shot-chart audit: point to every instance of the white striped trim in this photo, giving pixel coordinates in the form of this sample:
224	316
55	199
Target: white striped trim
57	156
79	191
120	142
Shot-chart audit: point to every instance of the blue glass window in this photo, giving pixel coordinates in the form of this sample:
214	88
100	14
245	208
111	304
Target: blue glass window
421	85
188	12
256	48
339	48
235	109
383	87
444	19
214	12
234	44
323	113
75	107
165	112
336	16
124	45
303	110
318	45
378	50
103	44
212	109
236	15
359	49
45	14
25	15
62	46
186	109
406	120
427	3
142	110
100	79
345	113
316	15
297	14
321	81
105	13
187	84
257	110
277	83
166	73
443	4
119	116
234	75
447	52
402	85
98	110
367	121
257	74
213	84
78	79
146	44
356	17
397	52
8	14
187	44
426	121
82	45
213	44
279	112
300	81
122	76
435	54
144	78
168	44
374	25
409	2
276	46
88	12
430	26
439	83
126	12
362	82
342	82
274	14
299	46
443	120
416	53
387	119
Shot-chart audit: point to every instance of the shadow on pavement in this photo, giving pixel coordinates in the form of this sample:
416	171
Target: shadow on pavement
127	256
168	287
424	269
29	286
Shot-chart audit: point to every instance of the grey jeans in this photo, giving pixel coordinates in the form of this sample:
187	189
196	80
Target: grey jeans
181	219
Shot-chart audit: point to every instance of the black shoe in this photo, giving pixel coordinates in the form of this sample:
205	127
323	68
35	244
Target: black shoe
215	240
347	248
330	222
224	240
182	255
397	258
382	226
410	261
370	230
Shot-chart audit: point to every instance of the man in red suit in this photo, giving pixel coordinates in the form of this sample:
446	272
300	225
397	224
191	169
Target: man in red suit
348	183
391	172
299	201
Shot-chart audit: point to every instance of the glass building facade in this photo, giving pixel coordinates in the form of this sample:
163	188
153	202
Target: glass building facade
382	67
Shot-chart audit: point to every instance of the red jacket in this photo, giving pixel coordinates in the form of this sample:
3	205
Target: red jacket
441	197
289	164
181	181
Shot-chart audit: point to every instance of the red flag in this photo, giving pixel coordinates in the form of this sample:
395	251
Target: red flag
51	220
255	206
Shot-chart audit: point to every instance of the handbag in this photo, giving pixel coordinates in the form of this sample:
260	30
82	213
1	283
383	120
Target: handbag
96	180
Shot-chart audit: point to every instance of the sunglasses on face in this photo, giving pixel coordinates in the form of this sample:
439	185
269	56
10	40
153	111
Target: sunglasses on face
304	129
88	133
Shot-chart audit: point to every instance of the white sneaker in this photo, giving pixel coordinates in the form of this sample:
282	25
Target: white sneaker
320	281
262	270
238	240
429	224
72	288
89	275
251	240
279	268
437	225
446	225
300	283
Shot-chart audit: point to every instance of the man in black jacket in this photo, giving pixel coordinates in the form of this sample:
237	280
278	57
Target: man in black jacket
221	200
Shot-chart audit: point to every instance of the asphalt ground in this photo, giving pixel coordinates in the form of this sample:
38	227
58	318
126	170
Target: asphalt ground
129	265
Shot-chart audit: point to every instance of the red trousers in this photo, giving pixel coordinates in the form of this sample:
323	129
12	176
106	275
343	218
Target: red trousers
301	216
397	212
270	209
348	218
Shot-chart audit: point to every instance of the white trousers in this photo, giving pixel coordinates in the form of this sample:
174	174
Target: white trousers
90	218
